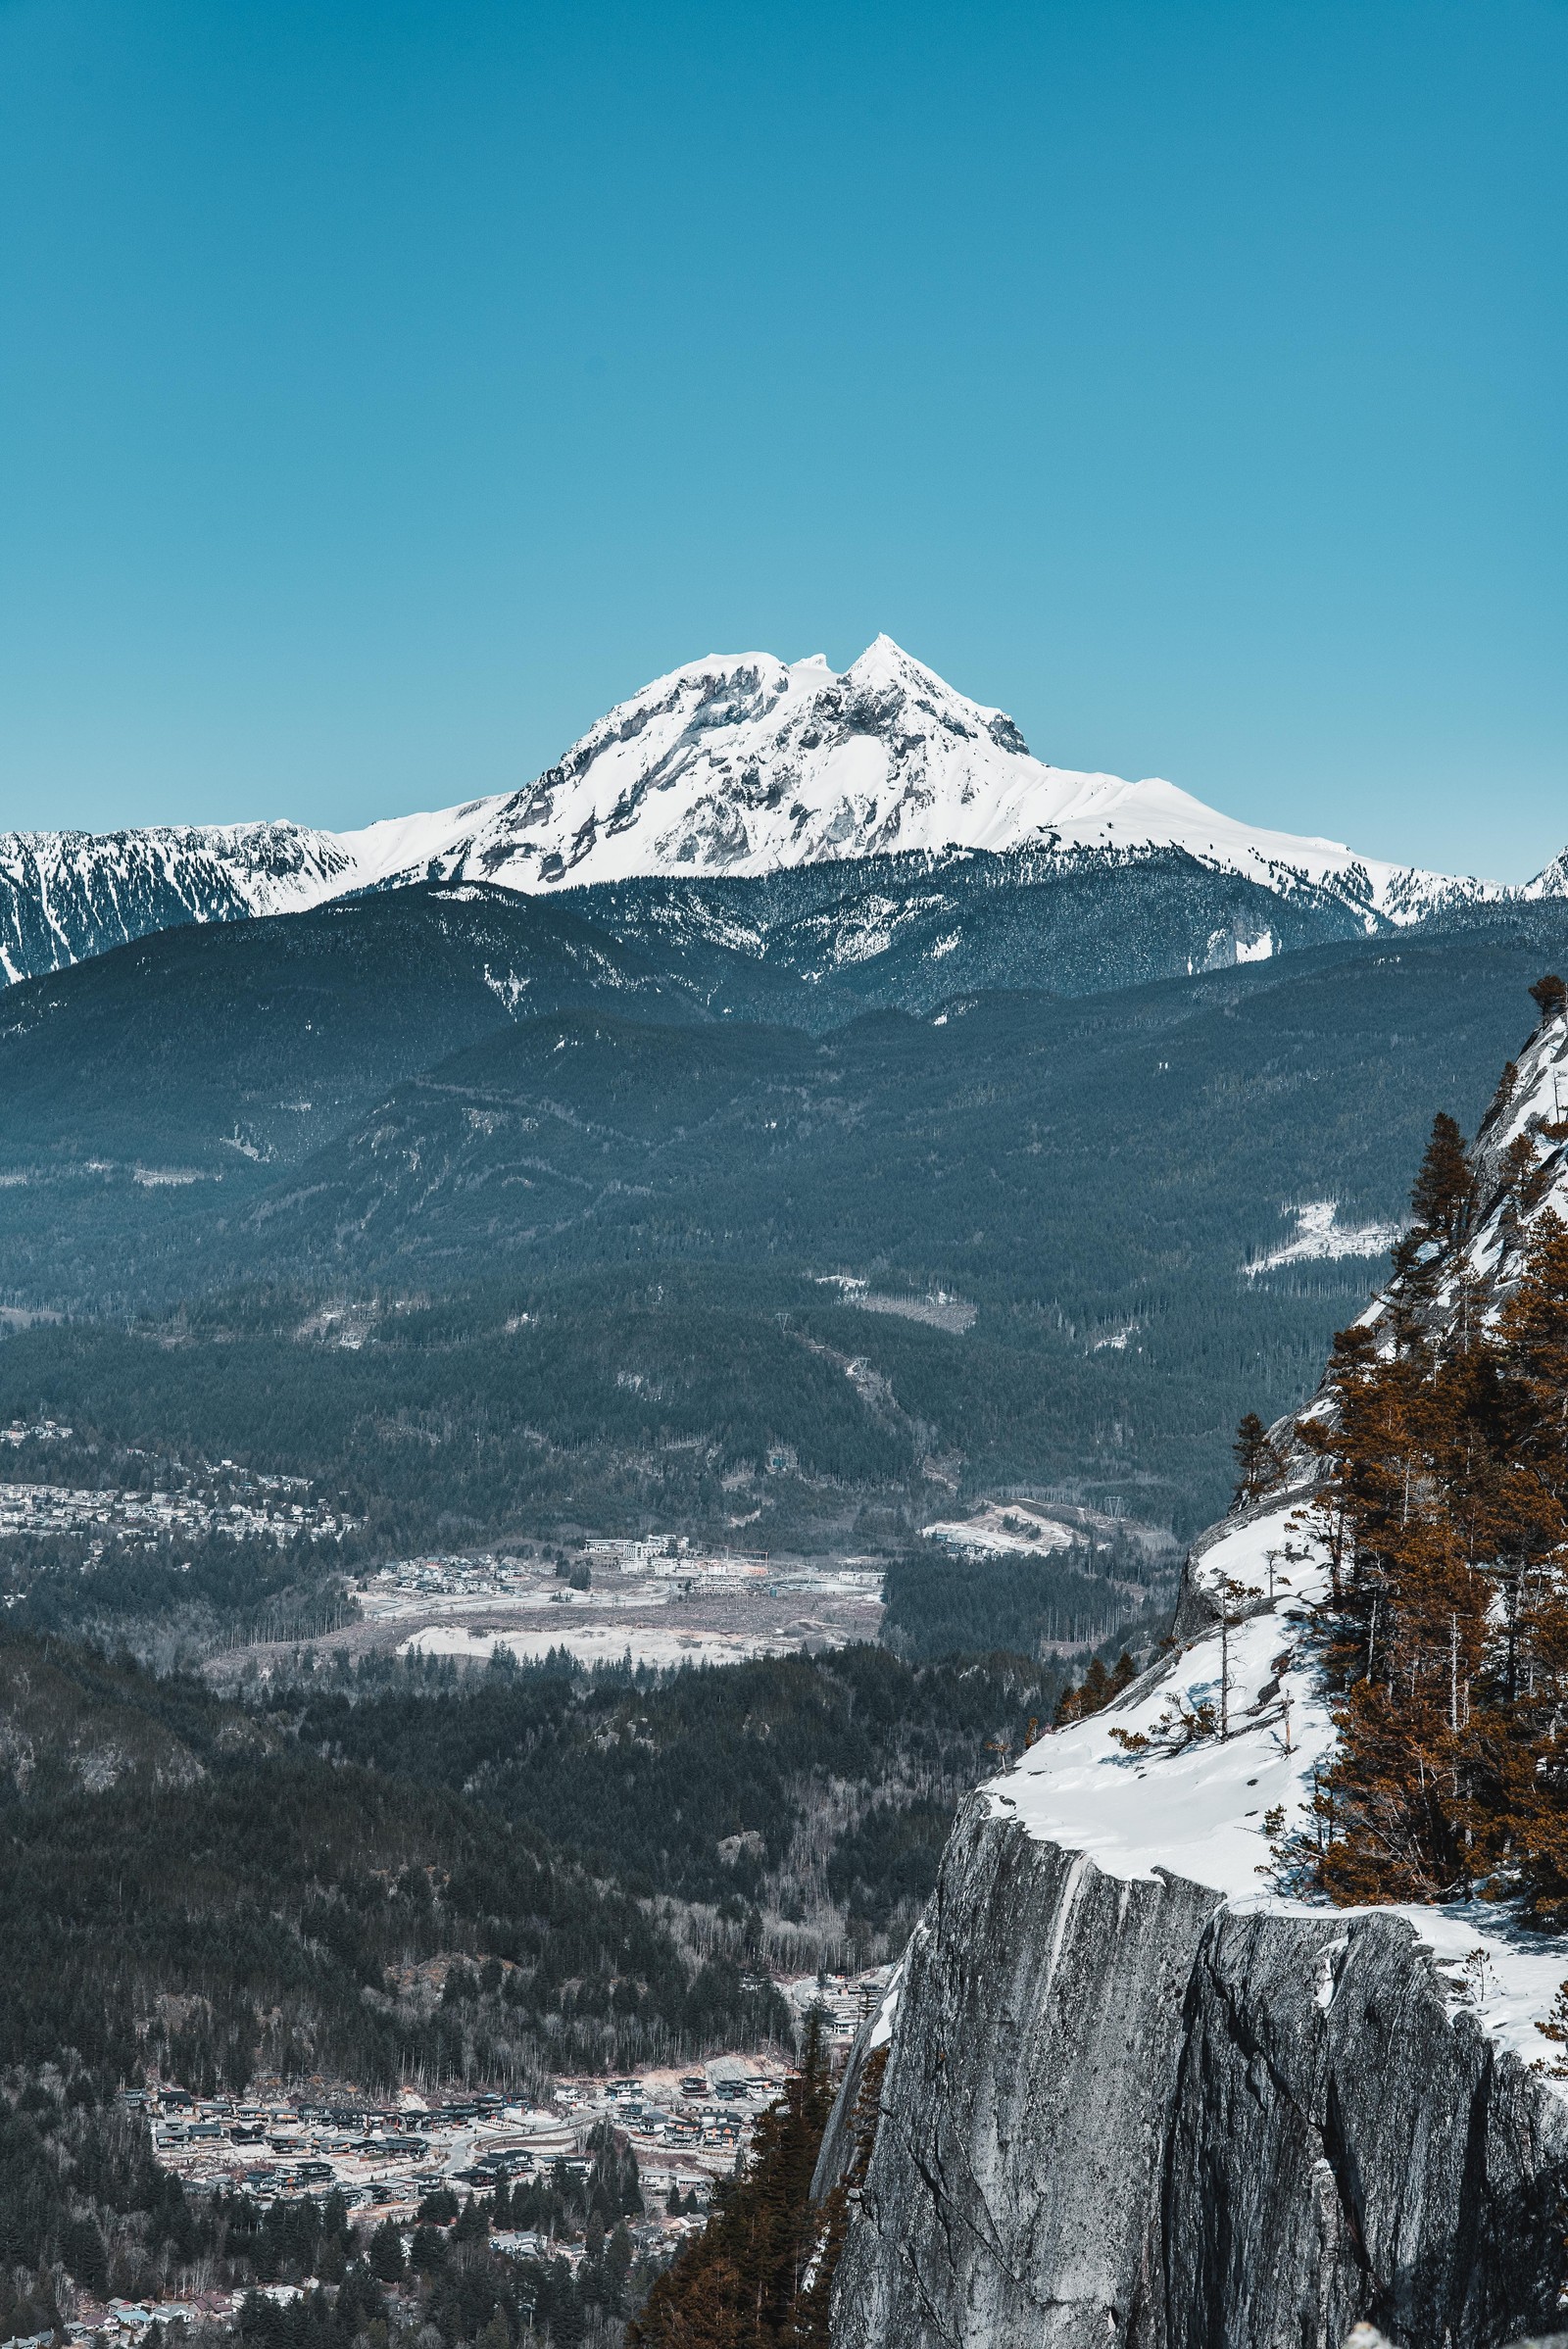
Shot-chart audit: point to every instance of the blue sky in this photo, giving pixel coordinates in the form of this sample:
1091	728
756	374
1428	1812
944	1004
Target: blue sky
386	389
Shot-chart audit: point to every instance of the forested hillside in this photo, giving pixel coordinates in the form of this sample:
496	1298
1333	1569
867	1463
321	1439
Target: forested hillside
581	1268
407	1875
813	1790
184	1884
221	1889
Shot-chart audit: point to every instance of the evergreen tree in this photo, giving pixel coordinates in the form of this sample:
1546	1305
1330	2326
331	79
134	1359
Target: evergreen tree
740	2283
427	2253
1445	1504
386	2254
1099	1688
1444	1190
1259	1466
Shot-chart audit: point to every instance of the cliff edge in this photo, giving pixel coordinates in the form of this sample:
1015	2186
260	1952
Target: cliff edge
1138	2094
1143	2100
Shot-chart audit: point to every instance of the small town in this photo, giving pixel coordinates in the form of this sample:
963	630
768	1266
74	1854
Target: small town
385	2156
175	1503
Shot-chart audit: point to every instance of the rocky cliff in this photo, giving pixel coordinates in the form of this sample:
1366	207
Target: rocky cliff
1138	2094
1120	2112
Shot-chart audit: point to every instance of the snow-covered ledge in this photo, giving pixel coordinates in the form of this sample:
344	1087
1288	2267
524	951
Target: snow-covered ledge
1136	2095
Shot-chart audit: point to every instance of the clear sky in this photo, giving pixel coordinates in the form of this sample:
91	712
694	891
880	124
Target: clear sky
388	386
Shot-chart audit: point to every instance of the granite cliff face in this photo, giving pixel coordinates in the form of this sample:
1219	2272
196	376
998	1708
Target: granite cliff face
1118	2112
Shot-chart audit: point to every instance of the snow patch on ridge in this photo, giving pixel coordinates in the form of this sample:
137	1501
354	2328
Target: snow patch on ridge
1320	1237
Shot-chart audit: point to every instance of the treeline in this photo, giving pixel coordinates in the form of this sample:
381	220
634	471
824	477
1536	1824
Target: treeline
1444	1506
942	1606
79	2189
174	1594
760	2273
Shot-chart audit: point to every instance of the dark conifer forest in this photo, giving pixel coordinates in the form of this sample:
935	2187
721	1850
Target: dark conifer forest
409	1875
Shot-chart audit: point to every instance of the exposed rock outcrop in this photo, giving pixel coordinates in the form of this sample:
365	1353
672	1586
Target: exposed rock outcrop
1117	2112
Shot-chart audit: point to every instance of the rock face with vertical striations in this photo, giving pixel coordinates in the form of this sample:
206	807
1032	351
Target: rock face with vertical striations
1118	2111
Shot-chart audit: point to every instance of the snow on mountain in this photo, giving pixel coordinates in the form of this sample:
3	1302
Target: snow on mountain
1320	1237
1552	882
737	764
66	894
746	764
1530	1106
1210	1809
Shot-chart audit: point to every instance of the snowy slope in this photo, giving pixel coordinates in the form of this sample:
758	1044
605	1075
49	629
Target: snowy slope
66	894
735	766
1198	1812
1198	1808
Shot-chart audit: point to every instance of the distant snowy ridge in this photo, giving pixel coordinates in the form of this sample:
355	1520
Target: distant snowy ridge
66	894
737	764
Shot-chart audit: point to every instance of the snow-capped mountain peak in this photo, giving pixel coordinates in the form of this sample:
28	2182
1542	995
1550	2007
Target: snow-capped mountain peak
735	765
745	763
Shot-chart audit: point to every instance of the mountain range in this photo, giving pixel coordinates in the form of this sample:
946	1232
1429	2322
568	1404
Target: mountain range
740	769
648	1186
781	980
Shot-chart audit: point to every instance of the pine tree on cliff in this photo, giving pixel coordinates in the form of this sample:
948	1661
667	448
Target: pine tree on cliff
1407	1630
1100	1688
1444	1190
1524	1749
1260	1469
1075	1704
811	2328
739	2285
1445	1504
